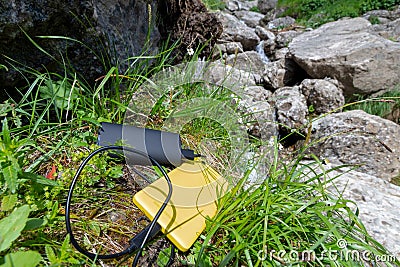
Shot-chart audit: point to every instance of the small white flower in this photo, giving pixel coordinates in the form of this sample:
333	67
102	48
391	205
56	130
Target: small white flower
190	51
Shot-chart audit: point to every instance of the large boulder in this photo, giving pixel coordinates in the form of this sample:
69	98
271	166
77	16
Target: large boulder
358	138
106	33
378	200
101	26
346	50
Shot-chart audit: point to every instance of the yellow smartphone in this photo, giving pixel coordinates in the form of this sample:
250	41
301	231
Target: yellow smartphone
195	189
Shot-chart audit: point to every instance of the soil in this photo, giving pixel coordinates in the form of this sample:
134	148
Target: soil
191	24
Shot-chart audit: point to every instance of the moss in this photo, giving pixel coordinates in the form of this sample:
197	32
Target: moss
396	180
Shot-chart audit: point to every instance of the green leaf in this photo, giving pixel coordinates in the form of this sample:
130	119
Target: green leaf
65	247
11	177
8	202
3	67
34	223
94	226
50	254
116	172
39	179
60	92
6	133
22	259
163	256
11	226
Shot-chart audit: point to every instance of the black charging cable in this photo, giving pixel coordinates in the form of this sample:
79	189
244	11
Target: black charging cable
137	243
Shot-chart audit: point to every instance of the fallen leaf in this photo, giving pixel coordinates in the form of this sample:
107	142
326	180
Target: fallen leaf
50	174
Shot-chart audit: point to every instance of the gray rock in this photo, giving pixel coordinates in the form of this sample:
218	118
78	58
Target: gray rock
323	95
236	30
266	5
266	126
291	108
395	14
346	50
256	93
259	114
219	51
390	30
250	18
282	53
252	99
228	48
249	61
377	13
271	15
281	23
358	138
268	40
378	201
247	5
307	85
106	33
233	5
122	28
234	47
284	38
236	5
107	26
230	77
382	20
269	46
281	73
265	34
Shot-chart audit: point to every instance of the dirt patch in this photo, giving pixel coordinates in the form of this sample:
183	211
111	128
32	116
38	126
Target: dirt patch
189	23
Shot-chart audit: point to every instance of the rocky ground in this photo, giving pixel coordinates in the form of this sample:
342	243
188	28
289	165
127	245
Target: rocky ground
285	69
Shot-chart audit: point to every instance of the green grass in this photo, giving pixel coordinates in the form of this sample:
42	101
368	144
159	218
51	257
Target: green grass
291	212
52	127
313	13
214	4
386	106
255	9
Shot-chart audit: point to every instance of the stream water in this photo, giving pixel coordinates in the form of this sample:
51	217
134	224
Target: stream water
260	51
